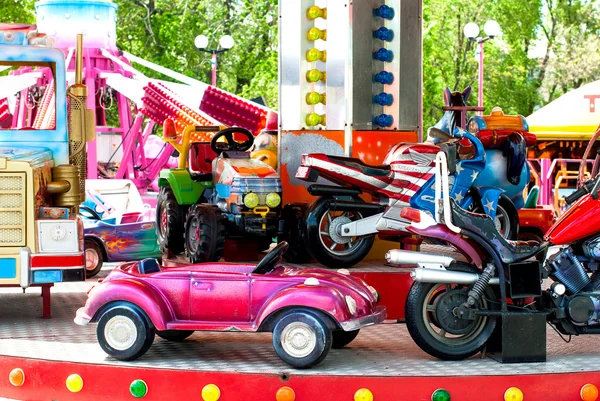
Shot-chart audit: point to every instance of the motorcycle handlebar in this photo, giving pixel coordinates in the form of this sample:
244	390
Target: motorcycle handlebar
583	190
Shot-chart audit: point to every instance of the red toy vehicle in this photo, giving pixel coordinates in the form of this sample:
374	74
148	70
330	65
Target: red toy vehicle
308	311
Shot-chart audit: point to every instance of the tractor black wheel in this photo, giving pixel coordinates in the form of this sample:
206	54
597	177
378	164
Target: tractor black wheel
294	233
204	234
169	221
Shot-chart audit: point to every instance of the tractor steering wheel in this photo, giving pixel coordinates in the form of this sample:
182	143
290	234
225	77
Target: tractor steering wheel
231	145
91	211
271	259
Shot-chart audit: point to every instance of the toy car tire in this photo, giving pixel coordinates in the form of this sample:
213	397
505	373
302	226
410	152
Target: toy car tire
174	335
302	338
294	233
94	258
124	332
342	338
208	242
169	221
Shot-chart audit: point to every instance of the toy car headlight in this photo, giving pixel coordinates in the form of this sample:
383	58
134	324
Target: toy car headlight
374	293
251	200
351	304
273	199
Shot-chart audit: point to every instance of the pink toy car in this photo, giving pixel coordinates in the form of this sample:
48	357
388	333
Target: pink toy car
307	310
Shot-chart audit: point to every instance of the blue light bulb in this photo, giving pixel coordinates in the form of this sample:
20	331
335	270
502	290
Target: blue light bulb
385	12
383	99
384	77
383	120
384	33
384	55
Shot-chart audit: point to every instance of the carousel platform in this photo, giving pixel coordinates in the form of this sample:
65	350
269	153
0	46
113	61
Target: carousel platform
383	359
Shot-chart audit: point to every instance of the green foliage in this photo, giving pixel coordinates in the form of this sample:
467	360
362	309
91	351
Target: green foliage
163	31
566	31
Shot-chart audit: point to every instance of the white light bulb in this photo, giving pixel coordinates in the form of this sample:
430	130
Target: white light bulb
471	30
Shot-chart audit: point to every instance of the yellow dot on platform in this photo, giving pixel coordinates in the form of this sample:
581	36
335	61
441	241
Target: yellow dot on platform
16	377
285	394
589	392
513	394
363	395
210	392
74	383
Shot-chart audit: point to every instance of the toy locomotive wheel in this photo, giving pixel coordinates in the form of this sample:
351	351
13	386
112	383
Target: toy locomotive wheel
295	232
125	332
94	258
204	234
169	221
433	324
302	338
342	338
325	240
174	335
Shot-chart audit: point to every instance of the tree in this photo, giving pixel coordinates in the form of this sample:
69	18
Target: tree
163	32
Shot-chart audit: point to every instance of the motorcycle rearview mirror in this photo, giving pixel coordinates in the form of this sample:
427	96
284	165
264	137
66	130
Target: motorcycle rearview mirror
437	133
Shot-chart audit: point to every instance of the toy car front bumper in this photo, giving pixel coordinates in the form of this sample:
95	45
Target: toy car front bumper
377	317
81	318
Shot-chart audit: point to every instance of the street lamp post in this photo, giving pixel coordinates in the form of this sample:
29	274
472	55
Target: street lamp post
225	43
471	31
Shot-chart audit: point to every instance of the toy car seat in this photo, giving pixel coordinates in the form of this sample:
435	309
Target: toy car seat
148	266
200	161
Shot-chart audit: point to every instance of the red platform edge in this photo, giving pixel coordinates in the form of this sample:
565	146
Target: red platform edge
45	380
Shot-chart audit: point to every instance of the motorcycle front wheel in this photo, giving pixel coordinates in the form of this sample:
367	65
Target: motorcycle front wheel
432	322
324	239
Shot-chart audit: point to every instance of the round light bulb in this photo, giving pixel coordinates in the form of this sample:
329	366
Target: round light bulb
201	41
210	392
74	383
363	394
513	394
471	30
589	392
227	42
16	377
492	28
285	394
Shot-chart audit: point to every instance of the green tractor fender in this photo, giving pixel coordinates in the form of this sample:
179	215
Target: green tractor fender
186	190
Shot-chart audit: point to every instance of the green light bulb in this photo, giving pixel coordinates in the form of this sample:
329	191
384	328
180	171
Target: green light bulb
315	12
440	395
313	98
315	75
138	388
313	119
316	33
316	54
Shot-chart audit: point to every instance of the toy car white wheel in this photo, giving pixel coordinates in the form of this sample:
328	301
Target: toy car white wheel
120	332
124	332
298	339
302	338
94	258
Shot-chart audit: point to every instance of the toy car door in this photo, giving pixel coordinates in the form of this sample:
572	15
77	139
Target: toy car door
140	240
219	297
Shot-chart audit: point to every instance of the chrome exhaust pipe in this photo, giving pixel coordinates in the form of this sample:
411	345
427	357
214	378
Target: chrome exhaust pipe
402	257
440	276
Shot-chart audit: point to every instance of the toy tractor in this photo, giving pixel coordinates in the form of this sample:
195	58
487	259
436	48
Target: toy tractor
217	191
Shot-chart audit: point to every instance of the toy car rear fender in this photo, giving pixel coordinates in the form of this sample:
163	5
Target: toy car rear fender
318	298
134	292
186	190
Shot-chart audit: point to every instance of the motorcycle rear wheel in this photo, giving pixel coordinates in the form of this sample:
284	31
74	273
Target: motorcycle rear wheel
326	245
436	330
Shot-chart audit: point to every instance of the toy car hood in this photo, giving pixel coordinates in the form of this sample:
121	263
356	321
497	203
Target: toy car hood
228	169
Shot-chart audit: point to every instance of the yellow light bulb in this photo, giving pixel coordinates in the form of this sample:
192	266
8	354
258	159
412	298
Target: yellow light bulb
315	54
363	395
513	394
589	392
315	12
74	383
210	392
285	394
